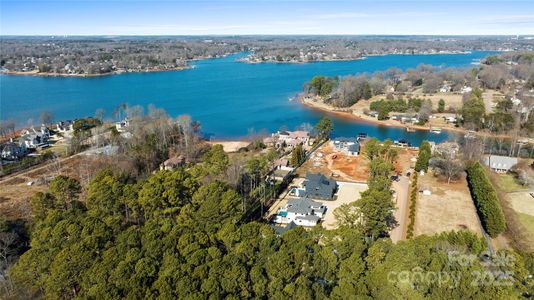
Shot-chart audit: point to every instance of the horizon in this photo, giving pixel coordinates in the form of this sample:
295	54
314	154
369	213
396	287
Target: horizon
265	35
257	18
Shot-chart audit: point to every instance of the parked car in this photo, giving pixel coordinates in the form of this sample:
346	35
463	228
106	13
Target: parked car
395	178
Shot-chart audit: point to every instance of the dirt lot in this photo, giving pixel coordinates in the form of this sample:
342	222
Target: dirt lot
231	146
490	98
348	192
404	160
15	193
450	207
327	160
451	100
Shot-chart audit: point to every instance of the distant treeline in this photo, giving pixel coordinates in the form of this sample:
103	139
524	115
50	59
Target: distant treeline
101	55
511	74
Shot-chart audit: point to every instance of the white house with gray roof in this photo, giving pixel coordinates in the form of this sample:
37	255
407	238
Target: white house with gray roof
12	151
351	146
301	211
500	164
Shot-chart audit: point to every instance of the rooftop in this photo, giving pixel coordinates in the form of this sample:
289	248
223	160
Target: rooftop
500	162
304	206
318	186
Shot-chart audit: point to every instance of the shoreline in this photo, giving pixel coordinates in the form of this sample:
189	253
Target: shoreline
363	57
300	62
243	60
48	74
351	116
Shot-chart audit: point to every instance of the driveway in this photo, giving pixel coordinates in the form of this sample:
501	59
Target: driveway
401	213
488	101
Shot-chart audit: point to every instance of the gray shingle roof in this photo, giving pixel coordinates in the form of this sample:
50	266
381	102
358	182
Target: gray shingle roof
350	144
304	206
281	230
500	162
320	187
354	148
312	218
345	140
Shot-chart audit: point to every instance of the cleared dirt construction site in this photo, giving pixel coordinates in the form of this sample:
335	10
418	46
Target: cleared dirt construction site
328	161
448	207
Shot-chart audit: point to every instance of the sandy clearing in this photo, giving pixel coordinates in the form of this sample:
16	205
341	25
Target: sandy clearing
348	192
450	207
522	202
230	146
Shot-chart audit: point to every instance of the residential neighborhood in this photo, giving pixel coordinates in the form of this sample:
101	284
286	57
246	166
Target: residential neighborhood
263	150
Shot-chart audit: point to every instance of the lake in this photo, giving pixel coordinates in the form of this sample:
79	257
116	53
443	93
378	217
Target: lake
228	97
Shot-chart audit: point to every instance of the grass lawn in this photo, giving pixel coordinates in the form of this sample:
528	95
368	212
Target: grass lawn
508	183
528	222
59	149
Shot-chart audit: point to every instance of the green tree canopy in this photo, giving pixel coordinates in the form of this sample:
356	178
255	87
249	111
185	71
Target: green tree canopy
324	127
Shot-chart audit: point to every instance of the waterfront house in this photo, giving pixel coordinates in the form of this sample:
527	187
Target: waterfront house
122	125
500	164
450	119
270	141
65	126
317	186
351	146
291	139
300	136
301	211
406	118
12	151
372	113
32	139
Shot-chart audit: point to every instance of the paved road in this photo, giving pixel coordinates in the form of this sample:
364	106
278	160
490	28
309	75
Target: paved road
401	213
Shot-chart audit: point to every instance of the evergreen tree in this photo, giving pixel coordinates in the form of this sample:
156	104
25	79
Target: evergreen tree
425	153
441	105
324	127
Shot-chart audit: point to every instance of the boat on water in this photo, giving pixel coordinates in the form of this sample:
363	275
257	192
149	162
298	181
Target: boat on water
409	129
435	130
402	143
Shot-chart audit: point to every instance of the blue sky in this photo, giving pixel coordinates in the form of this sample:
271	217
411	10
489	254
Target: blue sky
121	17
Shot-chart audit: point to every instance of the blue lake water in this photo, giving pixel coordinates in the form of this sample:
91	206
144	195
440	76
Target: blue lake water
228	97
